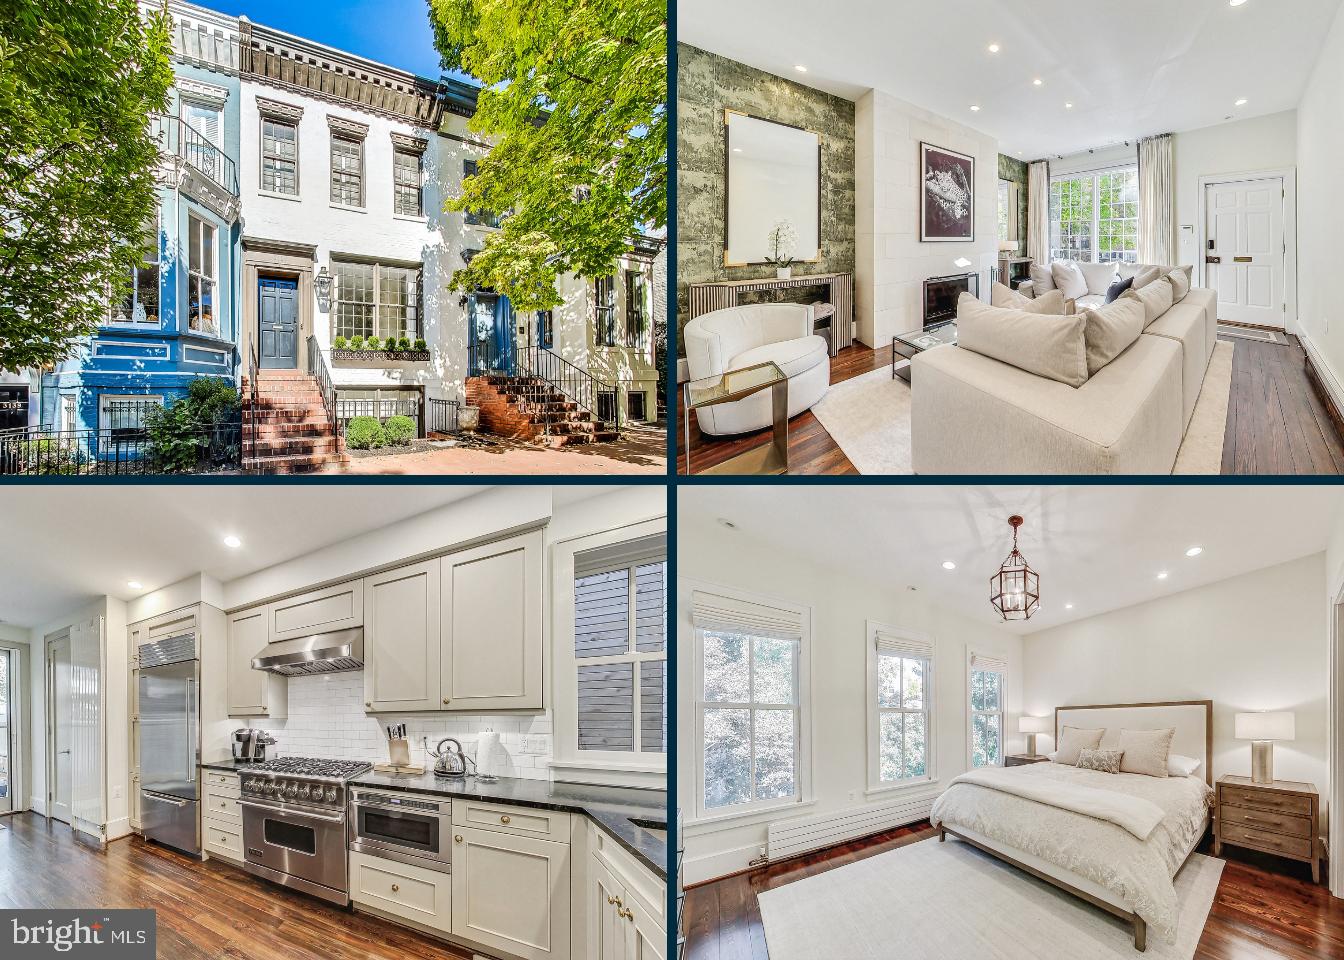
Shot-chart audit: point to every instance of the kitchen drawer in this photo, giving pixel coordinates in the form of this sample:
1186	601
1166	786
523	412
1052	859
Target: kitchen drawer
1266	800
646	891
402	890
223	838
1261	820
1263	840
223	808
221	784
504	818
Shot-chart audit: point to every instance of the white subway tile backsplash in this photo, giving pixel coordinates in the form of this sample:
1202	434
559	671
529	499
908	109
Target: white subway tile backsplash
327	719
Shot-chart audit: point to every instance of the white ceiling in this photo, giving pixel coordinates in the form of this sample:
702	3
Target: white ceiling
1131	69
65	547
1099	547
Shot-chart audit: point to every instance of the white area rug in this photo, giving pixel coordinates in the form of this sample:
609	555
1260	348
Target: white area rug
949	901
869	419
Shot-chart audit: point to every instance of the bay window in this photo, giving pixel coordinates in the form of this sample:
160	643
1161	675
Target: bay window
202	258
140	306
1094	217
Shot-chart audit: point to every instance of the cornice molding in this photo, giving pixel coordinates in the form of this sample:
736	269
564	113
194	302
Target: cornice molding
347	128
207	93
275	110
406	142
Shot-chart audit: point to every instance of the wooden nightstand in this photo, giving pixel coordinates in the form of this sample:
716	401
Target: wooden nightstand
1280	818
1022	759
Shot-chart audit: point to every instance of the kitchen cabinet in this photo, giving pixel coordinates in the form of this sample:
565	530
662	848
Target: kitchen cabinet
339	607
492	626
252	693
402	639
627	908
606	918
424	897
222	821
511	893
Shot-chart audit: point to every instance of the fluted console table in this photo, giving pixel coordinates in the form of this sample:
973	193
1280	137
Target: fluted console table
840	294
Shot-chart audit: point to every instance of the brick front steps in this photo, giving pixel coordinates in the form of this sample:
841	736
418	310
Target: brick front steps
288	430
528	408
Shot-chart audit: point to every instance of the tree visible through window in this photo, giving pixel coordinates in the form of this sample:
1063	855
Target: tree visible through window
903	717
986	696
1094	217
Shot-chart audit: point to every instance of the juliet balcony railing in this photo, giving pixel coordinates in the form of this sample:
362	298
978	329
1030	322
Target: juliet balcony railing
180	139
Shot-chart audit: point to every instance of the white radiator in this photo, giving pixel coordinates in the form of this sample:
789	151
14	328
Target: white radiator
788	838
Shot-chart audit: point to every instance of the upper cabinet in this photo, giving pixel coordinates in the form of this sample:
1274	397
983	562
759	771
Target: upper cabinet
402	639
492	613
320	611
252	693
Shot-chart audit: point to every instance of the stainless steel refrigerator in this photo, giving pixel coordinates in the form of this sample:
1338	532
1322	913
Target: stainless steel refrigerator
168	740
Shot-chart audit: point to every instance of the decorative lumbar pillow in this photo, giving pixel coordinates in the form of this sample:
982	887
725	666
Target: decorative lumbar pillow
1051	303
1117	288
1146	751
1099	277
1105	761
1156	298
1073	741
1048	346
1111	329
1069	278
1145	276
1179	766
1180	285
1042	280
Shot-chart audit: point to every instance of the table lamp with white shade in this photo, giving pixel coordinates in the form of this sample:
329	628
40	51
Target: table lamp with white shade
1262	729
1032	726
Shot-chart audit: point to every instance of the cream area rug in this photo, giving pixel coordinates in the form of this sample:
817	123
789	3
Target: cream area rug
869	419
950	901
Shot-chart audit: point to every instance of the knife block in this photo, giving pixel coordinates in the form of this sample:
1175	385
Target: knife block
399	752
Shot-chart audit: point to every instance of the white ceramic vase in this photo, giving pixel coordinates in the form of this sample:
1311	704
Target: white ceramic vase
783	273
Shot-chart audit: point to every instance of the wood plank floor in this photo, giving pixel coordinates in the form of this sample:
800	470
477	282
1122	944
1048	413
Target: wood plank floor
204	910
1276	425
1258	912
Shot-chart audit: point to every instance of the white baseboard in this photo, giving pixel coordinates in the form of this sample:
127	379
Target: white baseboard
720	864
117	829
1328	377
38	805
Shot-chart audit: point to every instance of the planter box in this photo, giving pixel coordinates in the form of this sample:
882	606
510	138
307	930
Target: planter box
377	355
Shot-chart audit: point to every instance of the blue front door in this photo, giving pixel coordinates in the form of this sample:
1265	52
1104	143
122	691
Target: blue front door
492	335
278	313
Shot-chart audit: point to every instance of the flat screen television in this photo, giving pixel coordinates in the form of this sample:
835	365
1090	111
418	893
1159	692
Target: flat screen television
940	297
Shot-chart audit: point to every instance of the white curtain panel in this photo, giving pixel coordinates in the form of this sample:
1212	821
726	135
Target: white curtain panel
1038	211
1157	199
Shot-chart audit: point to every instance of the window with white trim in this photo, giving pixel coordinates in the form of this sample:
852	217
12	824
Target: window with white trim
140	306
749	697
202	313
1094	217
279	156
985	677
900	698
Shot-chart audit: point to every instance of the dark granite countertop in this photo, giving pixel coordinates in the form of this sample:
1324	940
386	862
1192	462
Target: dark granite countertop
609	807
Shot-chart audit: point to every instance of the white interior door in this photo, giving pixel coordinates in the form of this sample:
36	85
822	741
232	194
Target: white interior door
62	740
1244	259
8	684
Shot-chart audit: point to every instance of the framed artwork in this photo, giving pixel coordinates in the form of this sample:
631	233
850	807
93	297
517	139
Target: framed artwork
947	195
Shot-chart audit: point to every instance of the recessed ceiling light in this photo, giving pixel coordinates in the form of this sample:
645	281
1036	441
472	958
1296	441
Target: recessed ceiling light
1068	106
135	584
1162	575
949	565
1194	551
1242	102
975	108
1037	82
232	542
737	149
1235	3
1068	606
800	68
993	48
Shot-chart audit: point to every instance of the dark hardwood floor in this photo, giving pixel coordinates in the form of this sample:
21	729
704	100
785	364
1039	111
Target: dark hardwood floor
204	910
1264	907
1276	425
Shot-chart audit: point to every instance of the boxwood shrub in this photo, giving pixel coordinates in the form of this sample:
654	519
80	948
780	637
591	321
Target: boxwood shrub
365	433
399	430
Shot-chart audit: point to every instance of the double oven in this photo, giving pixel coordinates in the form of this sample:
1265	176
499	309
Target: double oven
406	827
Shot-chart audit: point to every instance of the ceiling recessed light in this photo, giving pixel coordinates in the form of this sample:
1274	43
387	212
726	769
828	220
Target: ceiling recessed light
737	149
1194	551
1162	575
1068	606
1242	102
232	542
949	565
1037	82
1068	106
975	108
1235	3
135	584
800	68
993	48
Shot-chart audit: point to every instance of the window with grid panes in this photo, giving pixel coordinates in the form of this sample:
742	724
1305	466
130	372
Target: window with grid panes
1094	217
141	304
347	171
406	183
201	253
986	694
375	300
604	299
636	307
903	694
279	156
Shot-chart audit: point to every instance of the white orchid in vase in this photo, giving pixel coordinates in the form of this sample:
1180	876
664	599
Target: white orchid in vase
781	241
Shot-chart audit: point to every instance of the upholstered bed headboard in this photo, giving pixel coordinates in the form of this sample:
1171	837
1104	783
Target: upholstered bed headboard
1191	719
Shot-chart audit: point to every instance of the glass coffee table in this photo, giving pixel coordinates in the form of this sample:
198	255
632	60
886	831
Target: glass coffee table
771	458
907	345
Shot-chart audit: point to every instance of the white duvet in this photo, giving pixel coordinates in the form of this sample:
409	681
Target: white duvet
1127	832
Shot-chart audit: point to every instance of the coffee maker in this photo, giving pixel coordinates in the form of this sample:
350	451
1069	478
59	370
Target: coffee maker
250	745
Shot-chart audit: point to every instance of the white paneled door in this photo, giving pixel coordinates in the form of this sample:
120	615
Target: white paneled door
58	654
8	684
1244	256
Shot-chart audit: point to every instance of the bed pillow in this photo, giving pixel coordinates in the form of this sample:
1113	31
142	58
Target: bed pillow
1103	761
1179	766
1073	741
1051	304
1111	329
1146	751
1042	280
1069	278
1048	346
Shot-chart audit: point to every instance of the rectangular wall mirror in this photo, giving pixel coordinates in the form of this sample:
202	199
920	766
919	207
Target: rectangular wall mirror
774	174
1008	211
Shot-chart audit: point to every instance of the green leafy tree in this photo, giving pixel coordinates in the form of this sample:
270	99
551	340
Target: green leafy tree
575	104
78	80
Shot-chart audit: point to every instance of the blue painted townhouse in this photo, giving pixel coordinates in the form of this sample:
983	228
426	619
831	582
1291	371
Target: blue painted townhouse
181	320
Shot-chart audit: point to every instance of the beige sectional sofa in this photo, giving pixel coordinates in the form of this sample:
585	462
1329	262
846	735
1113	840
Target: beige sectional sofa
971	414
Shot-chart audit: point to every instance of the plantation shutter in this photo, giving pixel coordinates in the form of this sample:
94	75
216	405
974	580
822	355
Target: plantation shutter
204	120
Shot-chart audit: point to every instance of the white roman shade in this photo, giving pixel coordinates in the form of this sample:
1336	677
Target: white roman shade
895	645
711	611
989	664
620	555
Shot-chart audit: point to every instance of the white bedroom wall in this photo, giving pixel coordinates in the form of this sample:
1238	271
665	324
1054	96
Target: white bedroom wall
1254	642
891	263
842	599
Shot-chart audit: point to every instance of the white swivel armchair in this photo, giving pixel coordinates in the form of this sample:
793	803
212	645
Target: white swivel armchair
743	336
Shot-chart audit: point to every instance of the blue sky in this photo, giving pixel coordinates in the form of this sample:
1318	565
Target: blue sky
394	32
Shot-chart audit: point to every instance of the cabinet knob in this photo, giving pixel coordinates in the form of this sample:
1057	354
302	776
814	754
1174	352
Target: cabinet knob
368	703
445	699
395	888
457	839
505	819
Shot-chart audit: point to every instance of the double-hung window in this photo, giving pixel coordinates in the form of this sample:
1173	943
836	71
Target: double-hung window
636	307
604	299
900	707
202	279
1094	217
141	305
347	171
406	183
750	693
985	694
479	218
279	156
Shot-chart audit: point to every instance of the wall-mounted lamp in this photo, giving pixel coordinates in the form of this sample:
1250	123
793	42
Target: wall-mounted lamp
323	283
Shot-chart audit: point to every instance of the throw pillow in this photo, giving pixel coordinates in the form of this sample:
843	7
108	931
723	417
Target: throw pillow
1117	288
1042	280
1111	329
1146	751
1050	303
1099	277
1104	761
1180	285
1047	345
1073	741
1156	298
1069	278
1145	276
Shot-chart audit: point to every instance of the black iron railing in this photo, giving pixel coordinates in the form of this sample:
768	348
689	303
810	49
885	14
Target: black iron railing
119	451
441	415
597	397
486	358
318	369
381	410
183	140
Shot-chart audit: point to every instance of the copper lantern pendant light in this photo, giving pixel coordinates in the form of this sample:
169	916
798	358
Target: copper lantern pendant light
1015	591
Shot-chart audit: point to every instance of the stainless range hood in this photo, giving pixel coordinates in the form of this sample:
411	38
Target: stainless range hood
334	652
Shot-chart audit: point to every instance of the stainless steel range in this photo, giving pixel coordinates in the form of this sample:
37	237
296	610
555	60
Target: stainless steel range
294	823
